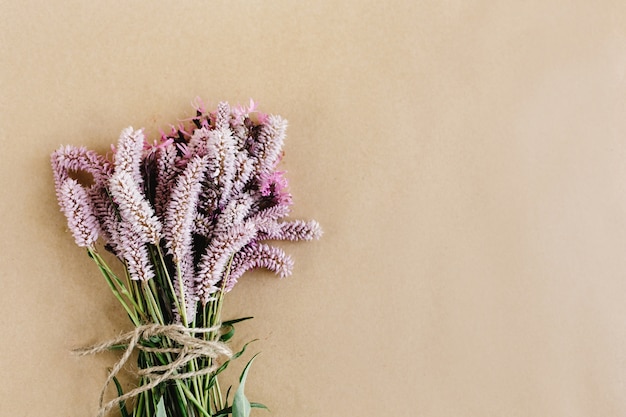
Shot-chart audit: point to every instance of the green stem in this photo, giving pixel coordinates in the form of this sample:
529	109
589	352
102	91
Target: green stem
116	292
122	287
168	279
193	399
153	305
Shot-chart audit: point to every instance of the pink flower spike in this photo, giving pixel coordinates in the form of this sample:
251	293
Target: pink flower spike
215	259
131	246
257	255
129	153
134	208
79	211
182	209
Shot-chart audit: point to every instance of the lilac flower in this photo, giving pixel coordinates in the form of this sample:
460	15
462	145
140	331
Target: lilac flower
266	220
294	230
233	214
131	247
215	260
202	225
208	194
240	111
198	143
259	255
222	116
239	114
210	189
271	214
166	172
129	152
244	167
268	148
105	211
221	169
182	209
78	209
68	159
134	208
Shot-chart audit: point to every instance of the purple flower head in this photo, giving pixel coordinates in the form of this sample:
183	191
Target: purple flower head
269	144
129	152
69	159
131	247
134	209
222	116
79	211
182	209
215	260
259	255
221	170
293	230
165	177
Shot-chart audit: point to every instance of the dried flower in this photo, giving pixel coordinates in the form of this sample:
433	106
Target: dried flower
131	246
268	148
68	159
294	230
221	170
182	209
134	208
166	173
129	152
259	255
78	209
215	260
187	217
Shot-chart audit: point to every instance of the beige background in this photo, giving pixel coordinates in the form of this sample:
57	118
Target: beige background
466	159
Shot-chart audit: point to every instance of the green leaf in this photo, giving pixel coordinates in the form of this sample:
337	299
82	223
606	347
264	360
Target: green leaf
259	405
228	335
231	322
225	364
241	405
228	394
118	347
224	412
120	392
160	410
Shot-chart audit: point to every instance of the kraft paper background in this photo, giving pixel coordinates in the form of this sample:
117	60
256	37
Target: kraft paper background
467	160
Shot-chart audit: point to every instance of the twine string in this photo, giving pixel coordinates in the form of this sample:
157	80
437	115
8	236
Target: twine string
187	347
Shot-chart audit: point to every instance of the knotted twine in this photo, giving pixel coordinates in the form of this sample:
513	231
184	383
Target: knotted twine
188	349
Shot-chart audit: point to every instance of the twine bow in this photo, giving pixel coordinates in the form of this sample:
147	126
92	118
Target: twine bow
185	346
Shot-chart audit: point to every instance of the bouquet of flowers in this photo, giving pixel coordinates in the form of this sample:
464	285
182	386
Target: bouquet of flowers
187	216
